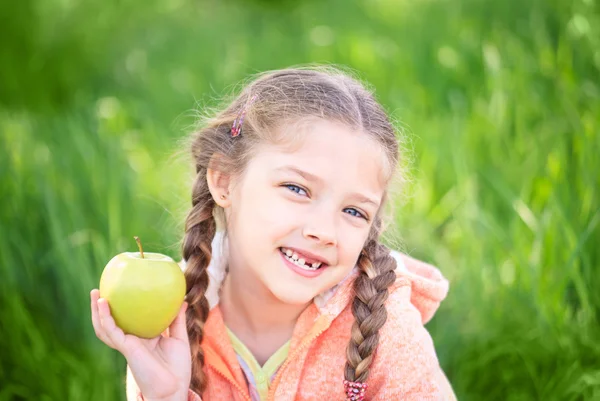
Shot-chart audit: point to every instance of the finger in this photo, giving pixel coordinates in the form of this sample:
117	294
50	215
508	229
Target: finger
113	332
178	329
94	295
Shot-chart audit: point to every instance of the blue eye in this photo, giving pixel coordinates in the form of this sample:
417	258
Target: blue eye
296	189
355	213
302	192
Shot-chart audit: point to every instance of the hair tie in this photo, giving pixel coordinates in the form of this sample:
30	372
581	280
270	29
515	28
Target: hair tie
236	129
355	391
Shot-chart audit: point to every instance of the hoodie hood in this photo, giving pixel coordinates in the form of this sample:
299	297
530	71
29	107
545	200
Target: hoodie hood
428	286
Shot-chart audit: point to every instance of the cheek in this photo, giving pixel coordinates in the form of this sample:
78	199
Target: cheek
273	210
351	242
265	213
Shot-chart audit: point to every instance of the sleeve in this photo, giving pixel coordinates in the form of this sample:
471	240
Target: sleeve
406	366
134	394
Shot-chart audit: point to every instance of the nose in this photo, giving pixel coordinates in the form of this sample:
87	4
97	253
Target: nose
321	227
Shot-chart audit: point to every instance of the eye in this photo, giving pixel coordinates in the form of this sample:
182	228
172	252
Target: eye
296	189
353	212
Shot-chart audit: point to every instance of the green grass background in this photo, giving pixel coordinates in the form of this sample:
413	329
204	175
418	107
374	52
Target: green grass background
501	101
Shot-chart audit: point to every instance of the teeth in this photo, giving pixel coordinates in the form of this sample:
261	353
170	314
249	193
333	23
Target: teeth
293	257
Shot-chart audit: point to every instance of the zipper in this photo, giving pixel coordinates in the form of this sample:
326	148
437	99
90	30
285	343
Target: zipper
234	383
300	348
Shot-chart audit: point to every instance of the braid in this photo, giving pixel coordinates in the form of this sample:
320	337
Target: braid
368	307
200	229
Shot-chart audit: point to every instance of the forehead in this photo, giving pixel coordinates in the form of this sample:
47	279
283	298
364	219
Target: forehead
330	150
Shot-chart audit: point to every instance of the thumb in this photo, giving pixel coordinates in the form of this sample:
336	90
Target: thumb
178	329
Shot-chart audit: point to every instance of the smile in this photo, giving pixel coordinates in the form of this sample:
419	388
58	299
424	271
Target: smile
300	265
298	260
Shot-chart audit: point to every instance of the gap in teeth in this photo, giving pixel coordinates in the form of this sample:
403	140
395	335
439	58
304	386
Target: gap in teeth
295	259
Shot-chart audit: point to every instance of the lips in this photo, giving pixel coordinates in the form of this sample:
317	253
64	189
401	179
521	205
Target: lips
304	269
303	258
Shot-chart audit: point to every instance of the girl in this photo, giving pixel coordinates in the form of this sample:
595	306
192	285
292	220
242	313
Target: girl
303	302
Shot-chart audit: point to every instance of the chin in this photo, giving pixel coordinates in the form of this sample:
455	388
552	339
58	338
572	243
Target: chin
293	296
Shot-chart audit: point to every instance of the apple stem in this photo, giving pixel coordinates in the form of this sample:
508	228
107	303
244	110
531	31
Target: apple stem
137	239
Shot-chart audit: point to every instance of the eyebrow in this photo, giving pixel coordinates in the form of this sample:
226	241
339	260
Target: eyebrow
363	199
305	174
311	177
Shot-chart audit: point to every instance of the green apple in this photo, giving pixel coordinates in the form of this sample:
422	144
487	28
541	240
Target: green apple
144	291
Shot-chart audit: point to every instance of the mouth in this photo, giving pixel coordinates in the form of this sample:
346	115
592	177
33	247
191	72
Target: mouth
302	261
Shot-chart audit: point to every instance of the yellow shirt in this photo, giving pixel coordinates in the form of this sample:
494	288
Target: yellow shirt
258	378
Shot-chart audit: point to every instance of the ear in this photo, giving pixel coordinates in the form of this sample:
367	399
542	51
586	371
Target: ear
219	184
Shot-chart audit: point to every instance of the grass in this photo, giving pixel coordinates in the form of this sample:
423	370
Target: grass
501	101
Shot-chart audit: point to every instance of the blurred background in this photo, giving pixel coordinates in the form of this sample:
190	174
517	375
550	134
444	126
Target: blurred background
500	101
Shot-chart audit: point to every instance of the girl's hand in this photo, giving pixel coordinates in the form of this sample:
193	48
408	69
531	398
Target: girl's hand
161	366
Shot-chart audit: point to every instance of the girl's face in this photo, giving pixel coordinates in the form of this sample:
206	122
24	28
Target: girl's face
299	215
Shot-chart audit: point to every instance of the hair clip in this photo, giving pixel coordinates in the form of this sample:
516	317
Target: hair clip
236	128
355	391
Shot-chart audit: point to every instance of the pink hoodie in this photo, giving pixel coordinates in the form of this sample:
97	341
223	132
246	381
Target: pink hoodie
405	366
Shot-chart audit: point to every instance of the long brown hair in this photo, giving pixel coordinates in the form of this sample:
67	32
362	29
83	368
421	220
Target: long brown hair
283	98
